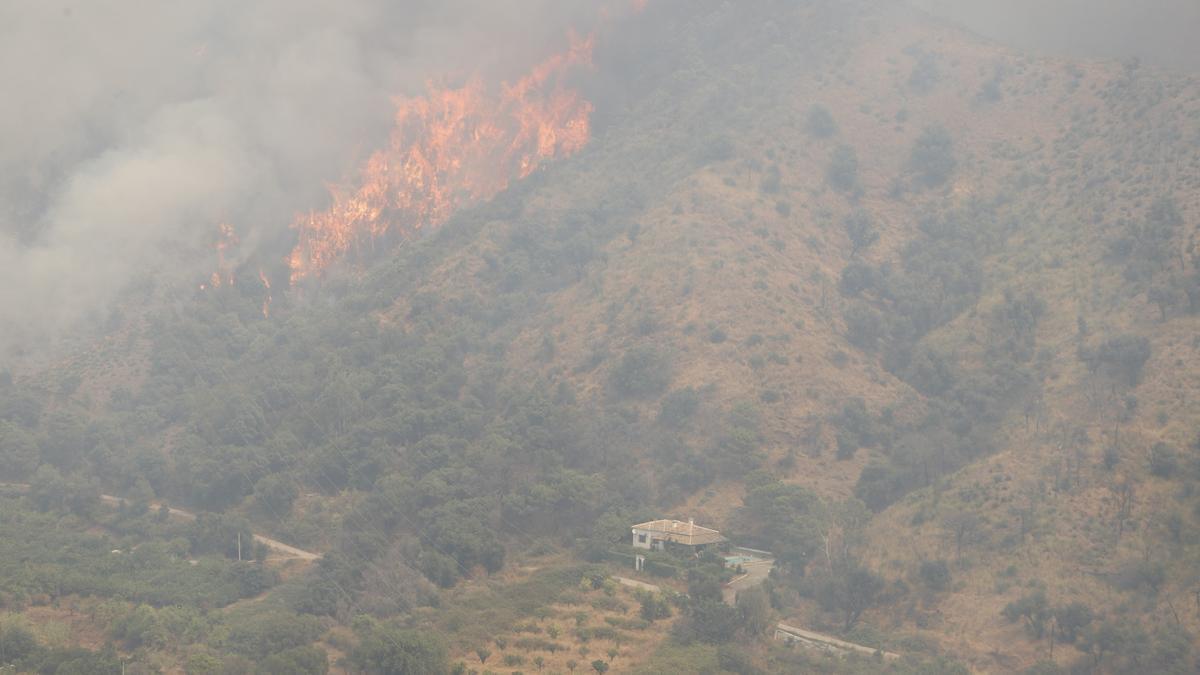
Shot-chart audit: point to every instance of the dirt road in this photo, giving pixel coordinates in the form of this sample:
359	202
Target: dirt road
824	642
277	546
756	573
634	583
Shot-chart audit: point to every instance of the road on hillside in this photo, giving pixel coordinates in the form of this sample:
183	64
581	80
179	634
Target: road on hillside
756	573
827	642
276	546
634	583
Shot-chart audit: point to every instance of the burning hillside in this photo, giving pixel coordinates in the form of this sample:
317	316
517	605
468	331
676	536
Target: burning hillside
448	149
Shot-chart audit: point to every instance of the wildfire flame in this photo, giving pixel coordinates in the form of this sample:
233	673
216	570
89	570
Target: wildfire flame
266	307
226	239
448	149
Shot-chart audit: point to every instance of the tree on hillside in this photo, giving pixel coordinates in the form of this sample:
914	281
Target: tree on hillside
16	643
18	452
789	515
860	230
66	440
841	528
1033	609
219	533
1116	640
754	607
739	449
842	172
932	156
1012	325
47	488
392	651
274	494
1164	462
1162	296
642	371
935	574
1071	620
1120	357
865	326
963	528
306	660
679	406
654	606
202	663
849	591
819	122
710	621
19	407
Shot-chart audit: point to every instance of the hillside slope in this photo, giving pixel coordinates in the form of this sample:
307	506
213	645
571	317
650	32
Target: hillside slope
818	256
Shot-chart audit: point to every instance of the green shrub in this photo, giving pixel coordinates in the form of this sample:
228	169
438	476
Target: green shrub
1164	462
932	157
660	569
819	122
935	574
641	372
842	172
860	230
632	624
531	644
1120	357
678	406
608	604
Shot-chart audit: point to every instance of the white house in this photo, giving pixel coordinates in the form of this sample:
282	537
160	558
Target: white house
658	534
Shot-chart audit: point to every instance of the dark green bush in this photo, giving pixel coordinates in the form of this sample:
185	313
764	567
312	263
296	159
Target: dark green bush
641	372
819	122
932	157
842	172
935	574
678	406
1164	461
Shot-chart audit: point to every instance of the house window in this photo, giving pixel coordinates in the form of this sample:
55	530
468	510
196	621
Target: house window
641	538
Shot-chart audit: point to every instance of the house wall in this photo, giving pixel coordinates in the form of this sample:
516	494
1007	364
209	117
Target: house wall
642	539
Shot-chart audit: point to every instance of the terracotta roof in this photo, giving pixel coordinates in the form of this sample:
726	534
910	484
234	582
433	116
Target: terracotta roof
687	534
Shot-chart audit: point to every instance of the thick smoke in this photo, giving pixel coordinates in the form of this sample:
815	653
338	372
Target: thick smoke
130	130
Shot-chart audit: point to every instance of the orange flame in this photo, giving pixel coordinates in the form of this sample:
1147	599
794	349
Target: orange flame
226	239
451	148
266	307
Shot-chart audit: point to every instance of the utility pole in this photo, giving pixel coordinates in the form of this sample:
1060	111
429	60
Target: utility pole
239	546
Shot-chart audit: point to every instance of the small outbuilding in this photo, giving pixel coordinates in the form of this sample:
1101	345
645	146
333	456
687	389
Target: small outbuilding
660	535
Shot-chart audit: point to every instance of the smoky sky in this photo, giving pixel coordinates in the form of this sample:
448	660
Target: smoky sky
1164	33
129	130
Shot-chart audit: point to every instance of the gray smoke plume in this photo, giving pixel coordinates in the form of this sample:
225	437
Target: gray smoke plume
130	130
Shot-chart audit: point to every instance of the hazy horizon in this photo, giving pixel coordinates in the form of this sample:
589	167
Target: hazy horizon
1160	32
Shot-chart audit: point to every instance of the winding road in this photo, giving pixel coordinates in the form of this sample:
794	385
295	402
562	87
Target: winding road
278	547
756	573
